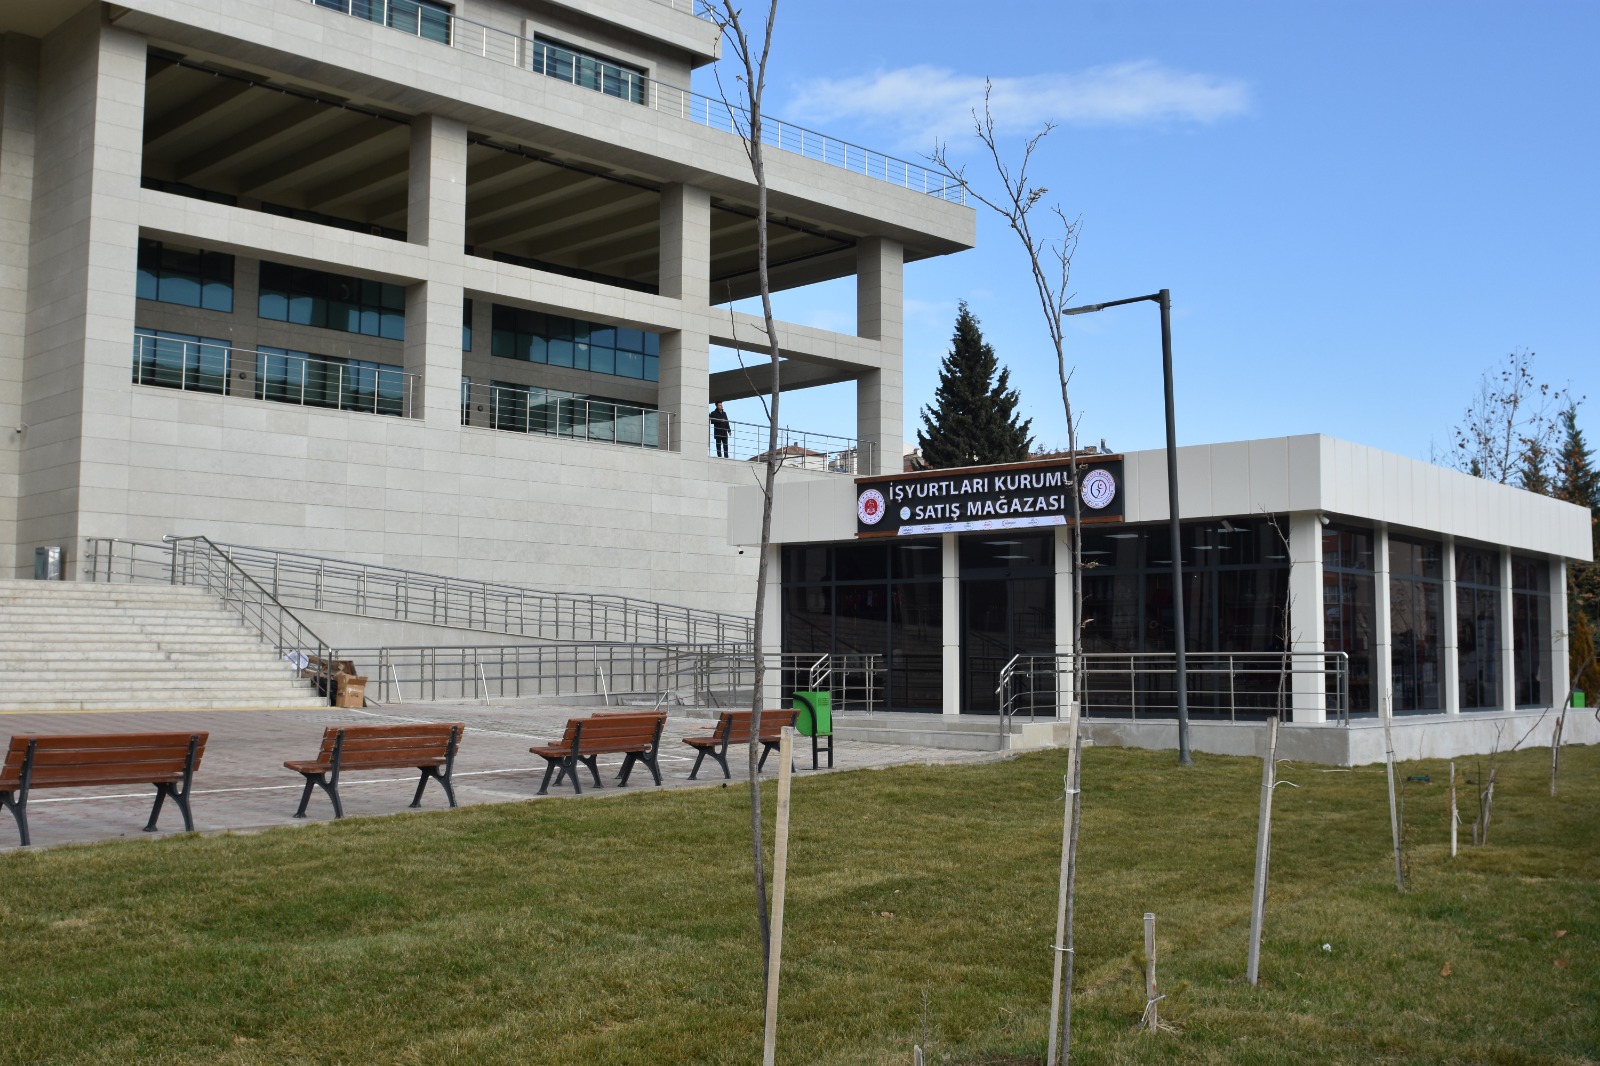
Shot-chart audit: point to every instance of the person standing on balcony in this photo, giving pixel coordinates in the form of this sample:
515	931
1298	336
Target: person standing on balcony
719	430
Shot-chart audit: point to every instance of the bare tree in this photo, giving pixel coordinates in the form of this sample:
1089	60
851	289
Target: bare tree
1509	429
1050	265
747	121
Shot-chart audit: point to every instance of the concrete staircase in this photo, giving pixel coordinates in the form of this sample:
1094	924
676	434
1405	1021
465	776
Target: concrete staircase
90	646
967	732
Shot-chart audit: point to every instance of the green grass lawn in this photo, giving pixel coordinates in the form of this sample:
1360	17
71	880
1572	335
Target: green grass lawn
620	930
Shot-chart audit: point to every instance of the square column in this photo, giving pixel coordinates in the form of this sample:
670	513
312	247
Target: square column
76	390
436	208
1560	636
880	299
1066	619
772	628
1450	651
1382	620
437	218
19	75
1508	637
1307	634
950	602
684	393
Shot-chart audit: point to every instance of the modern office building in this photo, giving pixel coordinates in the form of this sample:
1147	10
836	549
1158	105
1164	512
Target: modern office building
423	284
1320	580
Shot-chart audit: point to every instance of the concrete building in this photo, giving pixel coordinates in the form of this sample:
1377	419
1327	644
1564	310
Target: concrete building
422	284
1388	582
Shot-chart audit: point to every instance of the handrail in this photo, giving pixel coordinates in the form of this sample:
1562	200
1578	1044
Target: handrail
371	590
504	46
1004	697
797	448
222	369
1239	681
304	638
584	418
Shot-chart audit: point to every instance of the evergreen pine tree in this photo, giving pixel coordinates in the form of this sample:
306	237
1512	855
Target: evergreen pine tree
973	418
1577	481
1535	478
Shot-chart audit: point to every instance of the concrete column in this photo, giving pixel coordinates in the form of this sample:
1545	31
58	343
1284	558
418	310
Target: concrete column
772	628
1382	621
1450	652
1066	620
685	275
880	298
19	74
436	217
433	351
1560	637
76	389
1508	651
950	587
436	210
1309	698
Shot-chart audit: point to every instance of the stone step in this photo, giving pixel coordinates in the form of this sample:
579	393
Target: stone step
175	701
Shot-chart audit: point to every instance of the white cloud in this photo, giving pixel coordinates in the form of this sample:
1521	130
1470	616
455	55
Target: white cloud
921	104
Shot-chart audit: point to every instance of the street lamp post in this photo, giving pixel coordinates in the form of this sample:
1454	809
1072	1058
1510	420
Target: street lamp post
1164	300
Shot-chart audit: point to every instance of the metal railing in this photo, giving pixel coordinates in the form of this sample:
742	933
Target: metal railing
221	369
709	675
338	585
574	417
855	682
1131	684
593	73
797	448
205	564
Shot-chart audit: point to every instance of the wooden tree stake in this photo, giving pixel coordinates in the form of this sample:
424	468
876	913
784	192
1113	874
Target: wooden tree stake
780	870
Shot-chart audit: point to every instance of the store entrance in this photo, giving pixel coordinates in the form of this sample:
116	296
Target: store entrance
1008	607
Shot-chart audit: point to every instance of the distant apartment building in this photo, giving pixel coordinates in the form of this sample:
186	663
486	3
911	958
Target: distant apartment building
423	284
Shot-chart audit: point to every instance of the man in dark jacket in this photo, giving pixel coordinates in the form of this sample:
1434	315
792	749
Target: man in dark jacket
719	430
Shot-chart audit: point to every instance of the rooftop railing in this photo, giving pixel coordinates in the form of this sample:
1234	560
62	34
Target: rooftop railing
797	449
283	377
591	72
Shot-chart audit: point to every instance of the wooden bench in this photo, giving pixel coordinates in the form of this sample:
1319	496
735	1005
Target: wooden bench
166	760
430	748
635	735
734	728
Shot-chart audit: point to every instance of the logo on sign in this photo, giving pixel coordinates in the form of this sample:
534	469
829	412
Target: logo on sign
1099	488
870	507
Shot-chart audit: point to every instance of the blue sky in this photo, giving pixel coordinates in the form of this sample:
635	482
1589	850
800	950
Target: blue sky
1359	207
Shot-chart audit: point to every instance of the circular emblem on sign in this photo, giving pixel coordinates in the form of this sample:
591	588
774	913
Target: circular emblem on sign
869	507
1099	488
905	514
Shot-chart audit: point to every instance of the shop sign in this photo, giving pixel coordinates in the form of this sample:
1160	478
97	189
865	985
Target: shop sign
975	498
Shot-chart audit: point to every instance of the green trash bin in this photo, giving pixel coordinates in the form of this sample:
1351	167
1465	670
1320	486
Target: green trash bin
1578	698
815	720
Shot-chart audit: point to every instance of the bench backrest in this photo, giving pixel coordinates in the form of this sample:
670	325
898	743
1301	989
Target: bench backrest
737	724
101	759
618	729
390	746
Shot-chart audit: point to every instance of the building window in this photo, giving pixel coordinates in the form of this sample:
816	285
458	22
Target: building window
567	342
180	361
424	18
870	598
1348	617
1416	623
466	325
1236	588
192	277
332	301
286	376
1530	630
565	63
531	409
1478	628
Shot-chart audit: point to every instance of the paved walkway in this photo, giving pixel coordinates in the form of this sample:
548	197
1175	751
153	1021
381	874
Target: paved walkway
242	784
